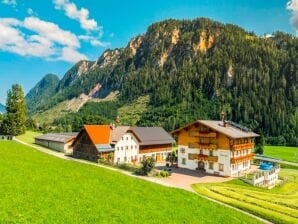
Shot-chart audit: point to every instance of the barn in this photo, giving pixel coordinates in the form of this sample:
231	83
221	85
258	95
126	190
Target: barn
61	142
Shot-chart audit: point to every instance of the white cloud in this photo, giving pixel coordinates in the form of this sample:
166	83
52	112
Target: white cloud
71	55
9	2
293	7
93	41
48	41
93	30
81	15
30	11
51	31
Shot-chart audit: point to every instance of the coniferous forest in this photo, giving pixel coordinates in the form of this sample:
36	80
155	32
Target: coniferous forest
192	69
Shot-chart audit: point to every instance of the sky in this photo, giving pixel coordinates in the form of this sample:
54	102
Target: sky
49	36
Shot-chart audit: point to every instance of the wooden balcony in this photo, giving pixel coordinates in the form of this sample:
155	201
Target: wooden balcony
242	158
206	134
243	146
203	146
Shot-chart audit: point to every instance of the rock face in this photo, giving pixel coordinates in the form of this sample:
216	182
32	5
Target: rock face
134	44
109	57
74	74
40	93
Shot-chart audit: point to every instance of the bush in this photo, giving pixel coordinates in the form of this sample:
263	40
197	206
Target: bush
147	166
164	173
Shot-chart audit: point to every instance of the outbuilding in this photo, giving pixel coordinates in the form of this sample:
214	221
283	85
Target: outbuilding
61	142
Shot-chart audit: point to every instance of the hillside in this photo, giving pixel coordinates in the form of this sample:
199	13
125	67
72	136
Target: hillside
35	190
193	69
42	91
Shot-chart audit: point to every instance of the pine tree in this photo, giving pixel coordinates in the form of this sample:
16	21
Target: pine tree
15	118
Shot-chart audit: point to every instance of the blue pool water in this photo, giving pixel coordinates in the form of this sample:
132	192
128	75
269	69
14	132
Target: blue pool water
266	166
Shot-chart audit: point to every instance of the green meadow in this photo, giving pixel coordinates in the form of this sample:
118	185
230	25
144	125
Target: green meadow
280	204
282	152
39	188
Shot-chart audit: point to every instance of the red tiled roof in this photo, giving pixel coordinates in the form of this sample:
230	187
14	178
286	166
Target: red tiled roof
99	134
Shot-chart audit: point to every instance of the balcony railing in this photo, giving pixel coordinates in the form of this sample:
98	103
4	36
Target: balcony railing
243	146
203	146
206	135
242	158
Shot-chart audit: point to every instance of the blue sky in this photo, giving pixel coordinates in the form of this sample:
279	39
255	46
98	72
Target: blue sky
49	36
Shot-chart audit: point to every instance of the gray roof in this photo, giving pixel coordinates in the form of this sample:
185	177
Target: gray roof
117	133
58	137
230	130
104	147
152	135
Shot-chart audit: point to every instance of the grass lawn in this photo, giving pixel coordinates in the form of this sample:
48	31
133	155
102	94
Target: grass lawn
28	137
282	152
39	188
280	204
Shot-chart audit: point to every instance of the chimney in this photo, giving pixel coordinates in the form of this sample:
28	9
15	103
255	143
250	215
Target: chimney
117	120
224	122
112	125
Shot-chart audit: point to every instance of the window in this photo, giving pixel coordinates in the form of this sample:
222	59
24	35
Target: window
118	160
117	148
220	167
191	133
210	153
201	151
211	165
126	138
126	147
182	150
183	161
131	146
122	148
136	146
131	137
125	159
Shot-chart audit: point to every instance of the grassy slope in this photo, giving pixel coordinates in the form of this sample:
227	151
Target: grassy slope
28	137
282	152
279	204
50	115
131	113
38	188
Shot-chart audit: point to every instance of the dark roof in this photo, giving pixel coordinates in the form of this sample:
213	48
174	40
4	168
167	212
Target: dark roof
58	137
231	131
152	135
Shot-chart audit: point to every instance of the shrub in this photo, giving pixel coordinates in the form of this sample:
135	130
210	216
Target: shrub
147	165
164	173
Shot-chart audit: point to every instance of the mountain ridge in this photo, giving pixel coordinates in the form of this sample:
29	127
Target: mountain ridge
194	69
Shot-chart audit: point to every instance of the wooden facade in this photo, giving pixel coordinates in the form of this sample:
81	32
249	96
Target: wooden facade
154	148
84	147
215	147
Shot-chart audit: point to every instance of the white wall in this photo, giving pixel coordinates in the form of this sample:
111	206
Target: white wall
126	149
58	146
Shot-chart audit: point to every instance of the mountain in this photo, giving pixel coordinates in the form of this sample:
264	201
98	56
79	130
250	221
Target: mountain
2	108
189	69
42	91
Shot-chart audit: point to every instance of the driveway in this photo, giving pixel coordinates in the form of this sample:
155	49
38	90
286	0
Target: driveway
184	178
